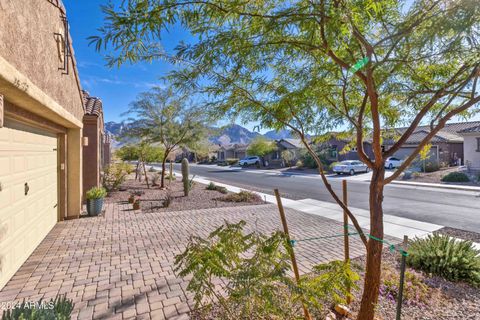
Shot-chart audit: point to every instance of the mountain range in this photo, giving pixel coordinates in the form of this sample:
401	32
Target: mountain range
232	133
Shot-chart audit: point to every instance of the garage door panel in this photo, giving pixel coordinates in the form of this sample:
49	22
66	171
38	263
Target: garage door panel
31	157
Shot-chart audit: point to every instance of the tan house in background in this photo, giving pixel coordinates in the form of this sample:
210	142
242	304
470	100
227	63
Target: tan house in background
41	113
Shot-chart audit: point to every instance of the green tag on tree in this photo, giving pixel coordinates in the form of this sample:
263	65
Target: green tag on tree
359	65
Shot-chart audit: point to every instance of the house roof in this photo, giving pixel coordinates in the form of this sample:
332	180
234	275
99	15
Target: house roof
450	133
470	130
297	143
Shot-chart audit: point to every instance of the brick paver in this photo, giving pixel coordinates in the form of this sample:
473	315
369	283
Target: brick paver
120	266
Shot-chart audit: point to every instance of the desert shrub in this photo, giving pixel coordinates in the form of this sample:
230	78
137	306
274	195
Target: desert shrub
431	167
59	308
333	164
211	186
222	189
455	177
455	260
155	179
415	291
299	164
173	177
255	269
309	162
115	174
96	193
242	196
232	161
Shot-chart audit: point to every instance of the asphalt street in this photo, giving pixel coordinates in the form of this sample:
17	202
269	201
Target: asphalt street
452	208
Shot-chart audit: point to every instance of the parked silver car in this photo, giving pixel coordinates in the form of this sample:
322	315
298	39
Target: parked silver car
350	166
250	161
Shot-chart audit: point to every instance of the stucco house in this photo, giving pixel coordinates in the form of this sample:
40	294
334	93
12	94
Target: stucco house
41	112
471	148
447	145
295	146
232	151
96	148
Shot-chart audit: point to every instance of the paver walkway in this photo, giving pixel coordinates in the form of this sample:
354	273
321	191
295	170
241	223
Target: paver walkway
120	265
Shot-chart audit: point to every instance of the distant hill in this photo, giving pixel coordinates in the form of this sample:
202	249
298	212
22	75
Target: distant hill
232	133
277	135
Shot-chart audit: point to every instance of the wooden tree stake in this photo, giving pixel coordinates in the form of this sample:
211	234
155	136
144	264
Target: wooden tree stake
292	253
346	245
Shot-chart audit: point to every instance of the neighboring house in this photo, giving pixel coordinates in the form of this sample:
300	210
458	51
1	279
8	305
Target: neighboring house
96	153
232	151
41	112
471	147
295	146
447	145
337	149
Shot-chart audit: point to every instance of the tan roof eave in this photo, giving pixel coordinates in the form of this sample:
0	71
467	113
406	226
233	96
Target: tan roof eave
19	90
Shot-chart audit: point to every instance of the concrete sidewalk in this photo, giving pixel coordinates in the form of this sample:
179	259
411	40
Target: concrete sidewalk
394	226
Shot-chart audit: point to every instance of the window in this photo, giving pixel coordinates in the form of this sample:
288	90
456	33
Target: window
478	144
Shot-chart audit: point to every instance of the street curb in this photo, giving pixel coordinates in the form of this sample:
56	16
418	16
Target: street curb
437	185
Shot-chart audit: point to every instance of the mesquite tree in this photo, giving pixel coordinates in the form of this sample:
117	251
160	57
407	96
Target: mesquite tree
311	66
162	116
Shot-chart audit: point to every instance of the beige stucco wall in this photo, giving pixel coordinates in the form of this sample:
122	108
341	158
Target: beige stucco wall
470	151
28	44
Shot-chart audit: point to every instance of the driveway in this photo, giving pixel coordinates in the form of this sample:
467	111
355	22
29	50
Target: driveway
120	265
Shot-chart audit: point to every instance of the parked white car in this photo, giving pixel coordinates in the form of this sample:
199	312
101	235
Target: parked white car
351	167
393	162
249	161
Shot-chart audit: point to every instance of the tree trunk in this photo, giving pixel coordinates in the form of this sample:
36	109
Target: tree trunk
137	170
146	177
374	247
162	179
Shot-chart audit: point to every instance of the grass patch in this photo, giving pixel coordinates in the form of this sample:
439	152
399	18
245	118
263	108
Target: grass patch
212	186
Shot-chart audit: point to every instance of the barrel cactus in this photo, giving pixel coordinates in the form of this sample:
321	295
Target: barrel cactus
186	182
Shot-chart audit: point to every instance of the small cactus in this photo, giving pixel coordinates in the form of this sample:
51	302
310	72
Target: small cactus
186	182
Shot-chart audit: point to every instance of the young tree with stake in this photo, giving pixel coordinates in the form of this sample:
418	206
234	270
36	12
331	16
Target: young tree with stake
161	116
312	66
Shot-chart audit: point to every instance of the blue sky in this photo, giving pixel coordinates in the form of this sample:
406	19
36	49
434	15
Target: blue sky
117	87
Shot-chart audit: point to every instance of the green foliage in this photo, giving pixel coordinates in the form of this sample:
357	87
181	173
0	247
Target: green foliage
185	178
431	166
144	152
213	186
255	269
299	164
242	196
455	177
261	146
444	256
96	193
288	157
328	283
59	308
115	174
309	161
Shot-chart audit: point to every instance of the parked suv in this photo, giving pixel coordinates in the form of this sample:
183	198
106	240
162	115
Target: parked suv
249	161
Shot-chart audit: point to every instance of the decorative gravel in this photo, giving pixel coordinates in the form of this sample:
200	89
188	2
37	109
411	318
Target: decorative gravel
447	301
461	234
153	198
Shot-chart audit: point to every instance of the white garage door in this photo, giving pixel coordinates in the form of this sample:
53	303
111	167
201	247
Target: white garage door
28	196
